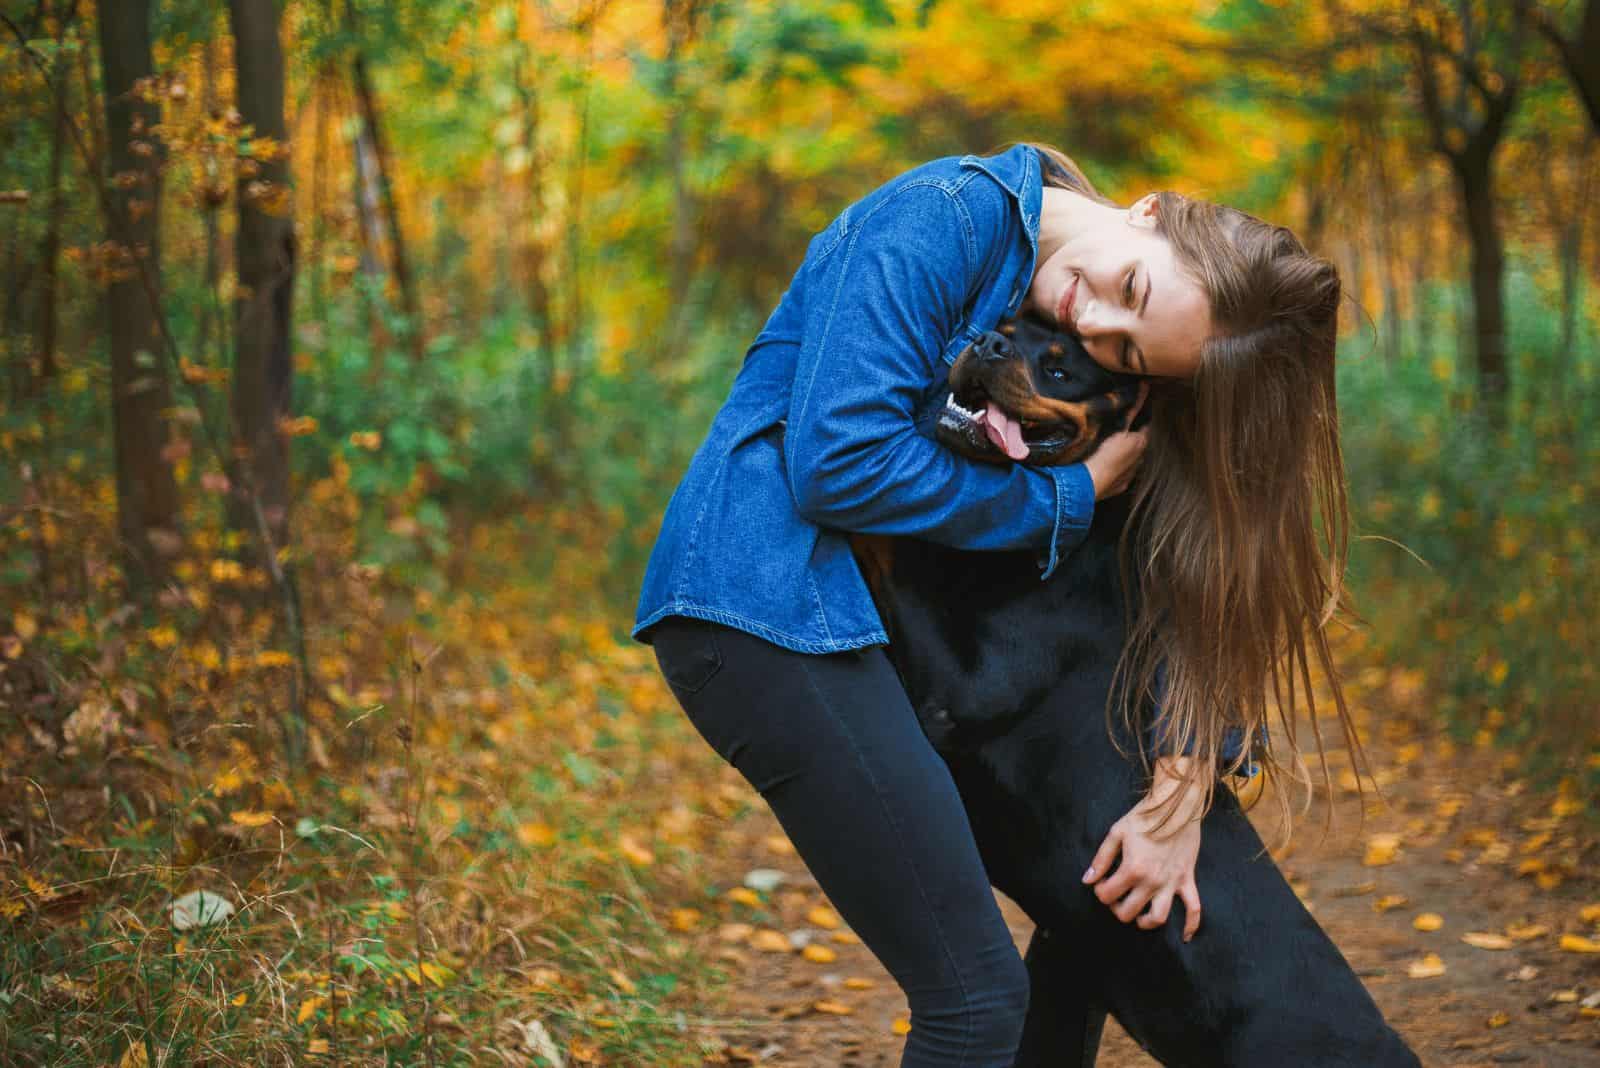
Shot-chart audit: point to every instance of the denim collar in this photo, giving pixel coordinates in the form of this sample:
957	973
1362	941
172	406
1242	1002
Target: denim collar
1017	171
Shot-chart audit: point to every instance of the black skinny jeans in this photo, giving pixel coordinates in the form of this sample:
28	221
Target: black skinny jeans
833	745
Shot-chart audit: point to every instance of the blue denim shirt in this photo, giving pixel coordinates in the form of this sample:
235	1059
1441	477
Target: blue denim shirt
828	427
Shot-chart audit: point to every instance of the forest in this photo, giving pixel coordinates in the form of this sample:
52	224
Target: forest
352	349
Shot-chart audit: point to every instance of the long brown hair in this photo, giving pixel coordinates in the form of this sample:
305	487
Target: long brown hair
1239	529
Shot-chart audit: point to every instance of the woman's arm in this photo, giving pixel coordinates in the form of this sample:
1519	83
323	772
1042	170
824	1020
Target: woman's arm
878	313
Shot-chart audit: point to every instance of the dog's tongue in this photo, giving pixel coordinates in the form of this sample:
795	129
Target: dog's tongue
1005	432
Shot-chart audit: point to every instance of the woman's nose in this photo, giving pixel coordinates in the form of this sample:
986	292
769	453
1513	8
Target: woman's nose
1095	319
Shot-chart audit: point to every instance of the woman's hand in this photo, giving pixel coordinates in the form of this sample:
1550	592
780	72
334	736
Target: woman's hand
1111	466
1153	870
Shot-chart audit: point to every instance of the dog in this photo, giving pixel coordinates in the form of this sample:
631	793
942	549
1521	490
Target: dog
1009	676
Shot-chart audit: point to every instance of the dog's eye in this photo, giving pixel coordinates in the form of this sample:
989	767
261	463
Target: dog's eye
1057	372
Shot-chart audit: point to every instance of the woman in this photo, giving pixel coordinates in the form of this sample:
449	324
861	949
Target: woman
763	625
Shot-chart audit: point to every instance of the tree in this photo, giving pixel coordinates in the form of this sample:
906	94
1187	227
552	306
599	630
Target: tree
264	251
147	493
1466	61
1579	50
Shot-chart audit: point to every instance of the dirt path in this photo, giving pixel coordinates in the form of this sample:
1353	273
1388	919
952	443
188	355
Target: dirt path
1461	837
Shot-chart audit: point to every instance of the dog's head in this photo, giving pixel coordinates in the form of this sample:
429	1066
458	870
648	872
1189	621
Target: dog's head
1031	382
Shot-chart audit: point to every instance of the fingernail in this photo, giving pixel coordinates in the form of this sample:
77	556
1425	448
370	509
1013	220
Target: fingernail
1089	875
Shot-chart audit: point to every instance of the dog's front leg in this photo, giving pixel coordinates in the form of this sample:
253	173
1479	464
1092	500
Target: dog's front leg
1064	1019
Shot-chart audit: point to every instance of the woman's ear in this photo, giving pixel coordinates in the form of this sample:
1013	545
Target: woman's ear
1143	212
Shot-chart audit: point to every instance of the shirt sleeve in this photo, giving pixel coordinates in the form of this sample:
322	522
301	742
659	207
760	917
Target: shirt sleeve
1233	739
875	323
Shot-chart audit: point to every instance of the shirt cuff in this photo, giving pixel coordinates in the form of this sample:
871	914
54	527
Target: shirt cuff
1074	512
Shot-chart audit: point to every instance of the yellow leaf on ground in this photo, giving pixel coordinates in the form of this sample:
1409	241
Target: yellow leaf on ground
247	818
1563	807
777	843
1548	880
317	1046
630	848
685	919
1499	1019
1590	913
1527	932
846	938
823	917
735	932
1564	997
833	1008
1426	968
623	983
309	1007
134	1057
855	982
536	834
1485	940
1381	849
901	1026
1390	901
771	942
1428	921
819	954
745	896
1578	944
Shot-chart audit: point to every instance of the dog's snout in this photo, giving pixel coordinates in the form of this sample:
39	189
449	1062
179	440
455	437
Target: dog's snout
993	346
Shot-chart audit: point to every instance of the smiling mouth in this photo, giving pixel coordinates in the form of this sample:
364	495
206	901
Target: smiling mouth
971	421
1069	297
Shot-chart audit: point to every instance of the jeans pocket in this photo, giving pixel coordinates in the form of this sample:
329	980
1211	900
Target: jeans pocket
687	651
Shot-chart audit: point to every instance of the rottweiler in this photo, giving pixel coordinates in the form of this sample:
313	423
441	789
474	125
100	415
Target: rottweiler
1009	676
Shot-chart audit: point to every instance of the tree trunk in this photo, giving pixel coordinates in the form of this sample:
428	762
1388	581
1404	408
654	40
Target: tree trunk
264	253
384	167
50	254
678	16
1571	247
1475	184
212	195
1385	250
147	494
539	304
577	308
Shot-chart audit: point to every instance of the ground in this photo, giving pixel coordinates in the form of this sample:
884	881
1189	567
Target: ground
1459	838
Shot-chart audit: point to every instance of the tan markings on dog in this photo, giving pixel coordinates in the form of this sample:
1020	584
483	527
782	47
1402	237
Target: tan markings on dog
875	555
1056	348
1008	329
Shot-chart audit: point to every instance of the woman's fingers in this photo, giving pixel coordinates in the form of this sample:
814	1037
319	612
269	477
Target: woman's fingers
1105	856
1111	466
1189	894
1135	901
1160	905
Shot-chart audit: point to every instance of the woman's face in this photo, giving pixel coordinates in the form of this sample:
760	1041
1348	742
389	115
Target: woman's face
1115	283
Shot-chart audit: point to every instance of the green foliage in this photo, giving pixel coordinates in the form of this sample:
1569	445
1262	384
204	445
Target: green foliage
1475	563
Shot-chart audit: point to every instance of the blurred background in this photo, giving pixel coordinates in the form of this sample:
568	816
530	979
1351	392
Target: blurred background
352	349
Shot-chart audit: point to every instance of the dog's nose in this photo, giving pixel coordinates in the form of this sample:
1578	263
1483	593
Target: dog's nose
993	346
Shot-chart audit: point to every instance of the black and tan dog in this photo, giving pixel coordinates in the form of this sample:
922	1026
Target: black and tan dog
1009	676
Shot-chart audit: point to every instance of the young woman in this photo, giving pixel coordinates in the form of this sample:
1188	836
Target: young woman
763	625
